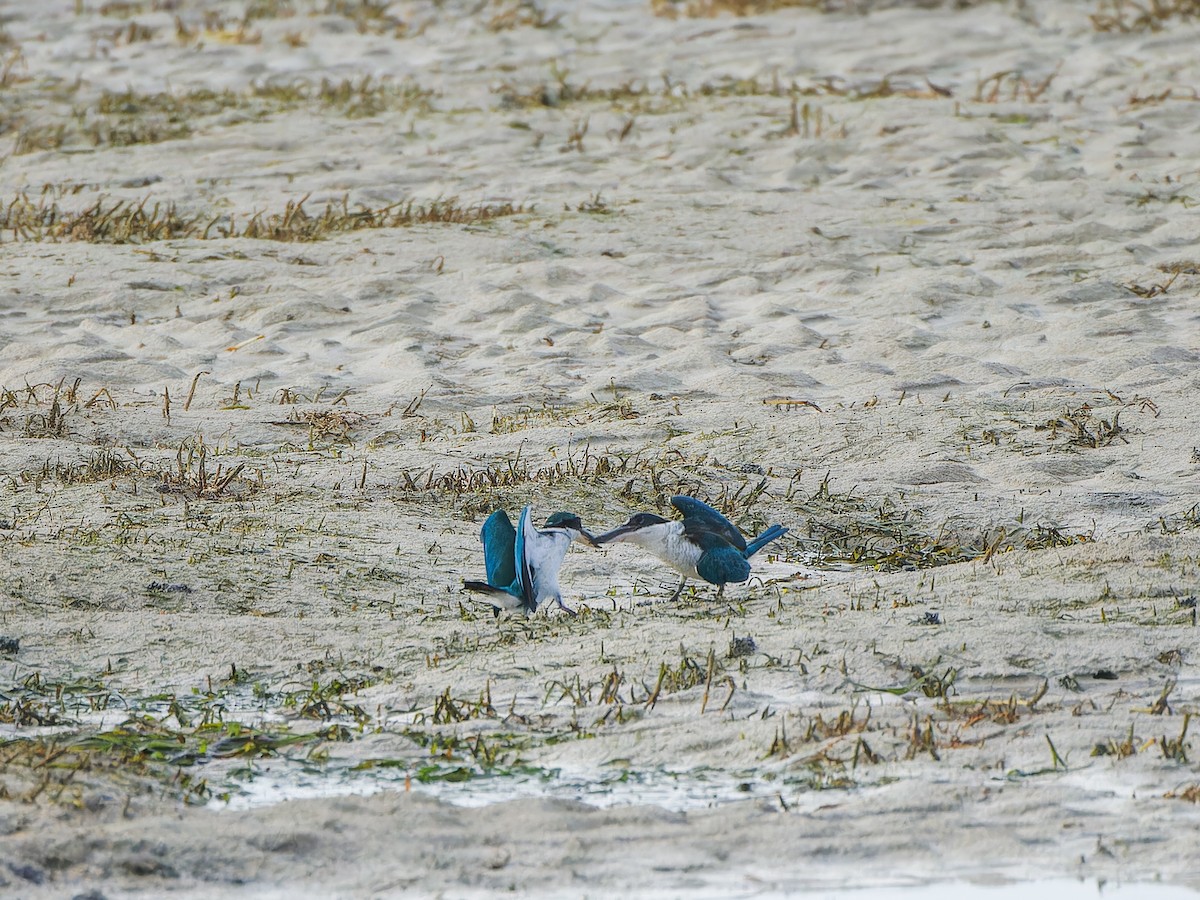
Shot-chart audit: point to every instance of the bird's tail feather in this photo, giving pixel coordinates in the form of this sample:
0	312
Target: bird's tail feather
773	533
499	597
483	587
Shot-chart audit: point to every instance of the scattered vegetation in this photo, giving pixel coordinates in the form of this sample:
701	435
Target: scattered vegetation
644	96
1177	522
1190	793
1142	15
102	465
327	427
270	9
707	9
844	528
474	489
1081	427
325	702
192	478
448	710
142	747
584	414
160	734
46	408
124	118
368	16
1011	85
1111	15
1158	288
1090	425
506	15
36	701
125	221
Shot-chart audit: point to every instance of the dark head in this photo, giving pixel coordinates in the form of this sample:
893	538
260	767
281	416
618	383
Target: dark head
572	524
637	522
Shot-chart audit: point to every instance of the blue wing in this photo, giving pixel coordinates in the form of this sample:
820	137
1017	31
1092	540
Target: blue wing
706	518
524	579
771	534
721	562
499	551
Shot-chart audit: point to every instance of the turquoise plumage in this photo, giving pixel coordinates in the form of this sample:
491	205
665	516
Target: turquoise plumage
503	545
703	544
522	563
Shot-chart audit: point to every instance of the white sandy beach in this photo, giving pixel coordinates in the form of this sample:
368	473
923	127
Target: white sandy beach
917	281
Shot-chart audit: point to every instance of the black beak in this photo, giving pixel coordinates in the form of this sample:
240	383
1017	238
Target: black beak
613	535
588	539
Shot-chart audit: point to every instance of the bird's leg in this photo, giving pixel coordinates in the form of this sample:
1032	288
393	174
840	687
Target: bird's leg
678	590
720	592
564	607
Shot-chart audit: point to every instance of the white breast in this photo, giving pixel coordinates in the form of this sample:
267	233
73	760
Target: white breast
666	541
545	551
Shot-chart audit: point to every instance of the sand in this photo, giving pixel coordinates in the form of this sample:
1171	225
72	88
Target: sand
917	281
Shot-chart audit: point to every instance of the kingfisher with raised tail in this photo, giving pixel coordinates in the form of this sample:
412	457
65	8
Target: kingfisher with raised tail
522	563
703	544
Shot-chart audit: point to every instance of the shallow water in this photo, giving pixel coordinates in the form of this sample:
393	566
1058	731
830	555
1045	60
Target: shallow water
1051	889
679	791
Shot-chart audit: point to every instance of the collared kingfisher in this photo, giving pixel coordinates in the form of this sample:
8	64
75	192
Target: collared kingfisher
522	563
703	544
